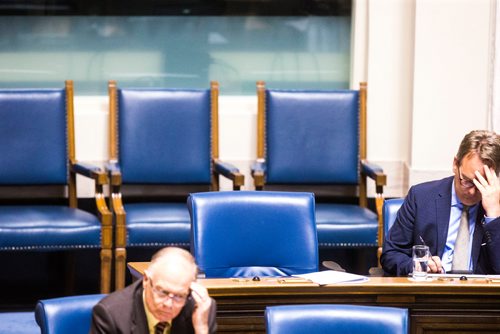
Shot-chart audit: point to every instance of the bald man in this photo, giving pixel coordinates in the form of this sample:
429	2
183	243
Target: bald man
168	300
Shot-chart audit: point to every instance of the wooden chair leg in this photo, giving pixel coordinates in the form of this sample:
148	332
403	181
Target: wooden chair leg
106	262
120	267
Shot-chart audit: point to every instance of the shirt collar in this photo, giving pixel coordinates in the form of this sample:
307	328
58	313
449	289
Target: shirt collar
454	198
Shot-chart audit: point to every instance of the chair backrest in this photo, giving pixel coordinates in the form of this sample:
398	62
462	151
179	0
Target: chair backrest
391	208
36	137
164	136
318	126
325	318
66	314
249	233
311	136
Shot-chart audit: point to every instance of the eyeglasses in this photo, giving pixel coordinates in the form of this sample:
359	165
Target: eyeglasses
164	295
466	183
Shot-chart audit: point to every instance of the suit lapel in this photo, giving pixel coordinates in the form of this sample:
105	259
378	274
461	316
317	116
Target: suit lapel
139	323
443	204
477	238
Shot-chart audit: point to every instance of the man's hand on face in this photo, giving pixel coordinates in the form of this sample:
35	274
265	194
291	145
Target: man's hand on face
202	308
489	186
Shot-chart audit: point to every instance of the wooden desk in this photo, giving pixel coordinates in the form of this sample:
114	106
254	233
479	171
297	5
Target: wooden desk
455	306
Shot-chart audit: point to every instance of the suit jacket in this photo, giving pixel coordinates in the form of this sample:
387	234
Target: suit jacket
122	312
426	213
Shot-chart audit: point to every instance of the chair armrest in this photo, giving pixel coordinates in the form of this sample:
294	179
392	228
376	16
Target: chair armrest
90	171
231	172
116	205
114	173
115	176
258	172
375	173
100	178
105	216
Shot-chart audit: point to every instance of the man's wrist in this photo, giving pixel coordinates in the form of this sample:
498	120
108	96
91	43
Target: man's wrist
201	330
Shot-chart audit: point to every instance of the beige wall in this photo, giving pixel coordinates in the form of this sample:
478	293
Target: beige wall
428	73
427	65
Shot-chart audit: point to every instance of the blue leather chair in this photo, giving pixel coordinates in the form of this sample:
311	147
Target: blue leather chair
65	315
163	145
311	140
249	233
18	323
38	199
327	318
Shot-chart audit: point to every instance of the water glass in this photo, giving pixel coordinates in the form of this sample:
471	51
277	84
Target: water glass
420	258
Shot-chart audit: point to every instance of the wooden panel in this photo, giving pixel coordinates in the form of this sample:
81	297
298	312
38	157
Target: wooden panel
473	322
440	306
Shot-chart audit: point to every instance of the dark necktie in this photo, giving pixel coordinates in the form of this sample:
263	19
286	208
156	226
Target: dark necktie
461	252
160	327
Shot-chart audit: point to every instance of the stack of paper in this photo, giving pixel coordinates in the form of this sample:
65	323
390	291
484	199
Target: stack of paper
332	277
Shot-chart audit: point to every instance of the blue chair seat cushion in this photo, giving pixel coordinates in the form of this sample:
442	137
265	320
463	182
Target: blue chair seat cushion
47	227
18	323
344	225
157	224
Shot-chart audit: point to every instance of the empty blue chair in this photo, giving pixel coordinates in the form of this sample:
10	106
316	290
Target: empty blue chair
163	146
66	315
390	212
18	323
249	233
329	318
315	140
38	167
391	208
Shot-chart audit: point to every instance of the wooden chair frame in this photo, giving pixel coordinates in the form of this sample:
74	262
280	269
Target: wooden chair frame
69	191
116	202
379	177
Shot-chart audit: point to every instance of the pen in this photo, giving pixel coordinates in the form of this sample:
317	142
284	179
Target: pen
421	240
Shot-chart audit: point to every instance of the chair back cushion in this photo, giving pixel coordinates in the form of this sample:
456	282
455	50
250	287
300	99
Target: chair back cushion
157	224
312	137
33	141
324	318
391	208
66	314
249	233
164	136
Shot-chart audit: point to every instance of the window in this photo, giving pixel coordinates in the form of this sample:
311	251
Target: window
289	44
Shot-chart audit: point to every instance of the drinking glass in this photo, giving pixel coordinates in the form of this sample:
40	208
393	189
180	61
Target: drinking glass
420	259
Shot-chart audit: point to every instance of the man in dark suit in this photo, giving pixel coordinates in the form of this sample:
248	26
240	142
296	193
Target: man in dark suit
167	300
432	211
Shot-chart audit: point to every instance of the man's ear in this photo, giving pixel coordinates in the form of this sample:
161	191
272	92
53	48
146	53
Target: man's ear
455	165
145	279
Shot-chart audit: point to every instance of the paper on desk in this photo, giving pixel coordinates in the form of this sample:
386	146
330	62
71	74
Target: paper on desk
332	277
